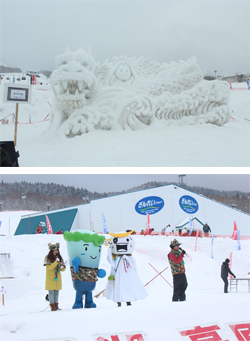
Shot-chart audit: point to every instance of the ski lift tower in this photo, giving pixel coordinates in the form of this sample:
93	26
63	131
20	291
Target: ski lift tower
182	179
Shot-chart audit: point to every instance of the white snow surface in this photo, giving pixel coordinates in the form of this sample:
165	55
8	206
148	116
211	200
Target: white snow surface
205	145
27	316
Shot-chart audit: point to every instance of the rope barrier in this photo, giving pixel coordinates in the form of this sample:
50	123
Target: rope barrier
5	117
34	122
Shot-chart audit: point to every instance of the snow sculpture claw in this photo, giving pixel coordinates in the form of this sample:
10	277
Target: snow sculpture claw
131	93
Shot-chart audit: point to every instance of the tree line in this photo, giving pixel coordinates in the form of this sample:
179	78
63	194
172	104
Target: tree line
43	196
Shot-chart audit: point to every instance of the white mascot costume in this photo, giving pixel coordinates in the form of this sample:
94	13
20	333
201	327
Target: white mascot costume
124	285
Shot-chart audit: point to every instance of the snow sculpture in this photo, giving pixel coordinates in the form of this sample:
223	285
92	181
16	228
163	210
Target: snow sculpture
132	93
122	74
84	250
124	285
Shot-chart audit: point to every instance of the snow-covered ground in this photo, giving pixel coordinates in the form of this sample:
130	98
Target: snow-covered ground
158	146
27	316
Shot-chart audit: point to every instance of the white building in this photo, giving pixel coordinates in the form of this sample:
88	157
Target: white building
165	205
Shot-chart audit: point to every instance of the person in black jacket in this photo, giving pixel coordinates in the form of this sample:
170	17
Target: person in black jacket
206	228
224	273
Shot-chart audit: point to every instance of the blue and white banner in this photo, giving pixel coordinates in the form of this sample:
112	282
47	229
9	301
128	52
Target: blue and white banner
104	224
212	245
190	226
13	79
0	223
248	84
238	240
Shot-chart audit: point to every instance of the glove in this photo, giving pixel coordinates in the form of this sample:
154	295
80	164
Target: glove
101	273
76	263
183	252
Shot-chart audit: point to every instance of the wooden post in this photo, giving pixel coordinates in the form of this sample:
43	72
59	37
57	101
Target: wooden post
15	136
3	296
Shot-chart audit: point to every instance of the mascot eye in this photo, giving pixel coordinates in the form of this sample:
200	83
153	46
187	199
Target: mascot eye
84	64
64	63
86	249
115	240
127	239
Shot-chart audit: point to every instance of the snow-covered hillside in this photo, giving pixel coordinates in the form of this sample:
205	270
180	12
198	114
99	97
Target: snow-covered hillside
190	146
26	315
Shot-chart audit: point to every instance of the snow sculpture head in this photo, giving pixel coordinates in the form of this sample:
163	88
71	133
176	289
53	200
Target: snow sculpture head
74	78
122	243
122	74
85	245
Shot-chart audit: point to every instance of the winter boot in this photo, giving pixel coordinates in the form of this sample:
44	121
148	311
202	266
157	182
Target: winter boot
119	304
129	303
53	307
57	306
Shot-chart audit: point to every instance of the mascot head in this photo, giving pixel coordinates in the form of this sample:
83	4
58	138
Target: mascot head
85	245
122	243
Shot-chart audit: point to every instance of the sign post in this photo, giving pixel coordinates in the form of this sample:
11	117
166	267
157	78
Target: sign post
3	291
17	93
16	121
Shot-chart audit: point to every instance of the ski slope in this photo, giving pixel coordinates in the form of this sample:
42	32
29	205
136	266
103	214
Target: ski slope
26	315
159	146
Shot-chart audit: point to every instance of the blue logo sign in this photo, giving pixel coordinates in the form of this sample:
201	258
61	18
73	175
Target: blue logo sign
149	205
188	204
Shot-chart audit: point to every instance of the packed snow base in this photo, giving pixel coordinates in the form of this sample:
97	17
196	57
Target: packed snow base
131	93
27	316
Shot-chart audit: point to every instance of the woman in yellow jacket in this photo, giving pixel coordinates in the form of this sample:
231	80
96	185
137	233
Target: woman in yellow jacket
54	265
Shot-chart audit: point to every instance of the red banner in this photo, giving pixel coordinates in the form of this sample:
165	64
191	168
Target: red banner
235	232
197	235
148	231
120	337
49	227
241	331
34	81
230	263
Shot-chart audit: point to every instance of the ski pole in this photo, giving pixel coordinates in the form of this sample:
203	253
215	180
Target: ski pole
97	295
156	276
160	275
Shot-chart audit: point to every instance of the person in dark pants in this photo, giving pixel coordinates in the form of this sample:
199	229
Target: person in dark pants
224	274
175	258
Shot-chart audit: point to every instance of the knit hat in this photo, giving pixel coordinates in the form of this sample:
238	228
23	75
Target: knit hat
227	260
54	246
174	243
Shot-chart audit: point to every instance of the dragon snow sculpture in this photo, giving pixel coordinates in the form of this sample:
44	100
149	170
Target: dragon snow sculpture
132	93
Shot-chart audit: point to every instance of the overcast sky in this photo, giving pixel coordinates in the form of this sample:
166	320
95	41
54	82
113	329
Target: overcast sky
118	182
216	32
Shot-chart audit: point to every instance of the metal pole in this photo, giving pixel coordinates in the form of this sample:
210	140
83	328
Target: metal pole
15	136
